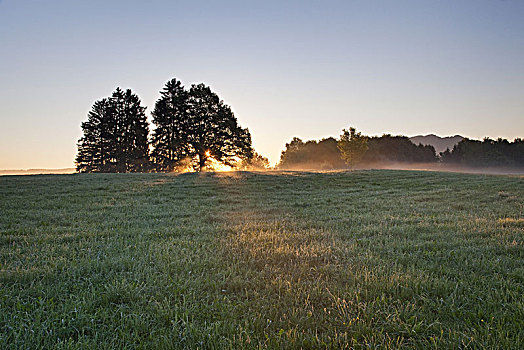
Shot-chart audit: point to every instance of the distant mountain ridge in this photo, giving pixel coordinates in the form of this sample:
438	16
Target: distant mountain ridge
439	143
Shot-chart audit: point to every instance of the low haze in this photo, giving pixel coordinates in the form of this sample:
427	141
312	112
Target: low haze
303	68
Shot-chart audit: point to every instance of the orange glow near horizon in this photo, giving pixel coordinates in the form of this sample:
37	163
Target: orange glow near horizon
212	165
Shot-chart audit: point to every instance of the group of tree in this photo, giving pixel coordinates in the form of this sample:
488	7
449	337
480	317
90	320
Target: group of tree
486	153
115	135
192	127
354	149
397	149
322	154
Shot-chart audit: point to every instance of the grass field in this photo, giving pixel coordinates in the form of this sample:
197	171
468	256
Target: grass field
262	260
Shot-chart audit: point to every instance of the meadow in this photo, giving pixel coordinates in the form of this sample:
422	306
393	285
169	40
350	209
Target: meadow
362	259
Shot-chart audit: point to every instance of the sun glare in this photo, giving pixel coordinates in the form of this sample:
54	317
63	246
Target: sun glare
215	165
212	164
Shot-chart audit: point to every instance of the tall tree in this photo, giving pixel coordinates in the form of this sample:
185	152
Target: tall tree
170	117
93	146
213	130
196	125
352	145
115	135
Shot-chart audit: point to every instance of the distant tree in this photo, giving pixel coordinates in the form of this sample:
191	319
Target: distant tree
292	155
486	153
257	162
170	117
331	155
115	136
425	154
352	145
354	148
195	126
397	149
312	154
517	152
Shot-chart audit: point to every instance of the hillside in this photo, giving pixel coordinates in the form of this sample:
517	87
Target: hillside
439	143
274	260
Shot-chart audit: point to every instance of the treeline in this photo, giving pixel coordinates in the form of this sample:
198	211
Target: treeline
397	149
486	153
353	149
193	129
322	154
327	154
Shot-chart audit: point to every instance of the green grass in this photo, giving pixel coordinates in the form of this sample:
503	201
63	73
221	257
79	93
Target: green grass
361	259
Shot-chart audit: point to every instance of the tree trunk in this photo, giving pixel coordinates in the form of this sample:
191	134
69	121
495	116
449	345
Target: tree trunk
201	162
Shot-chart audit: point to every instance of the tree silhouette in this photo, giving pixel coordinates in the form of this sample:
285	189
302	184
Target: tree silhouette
115	135
293	154
486	153
93	146
196	125
397	149
312	154
170	117
352	146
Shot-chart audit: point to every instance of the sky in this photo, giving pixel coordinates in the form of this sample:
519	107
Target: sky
286	68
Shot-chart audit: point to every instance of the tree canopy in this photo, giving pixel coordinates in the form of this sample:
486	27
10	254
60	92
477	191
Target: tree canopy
195	126
352	146
169	116
257	162
386	150
486	153
397	149
312	154
353	149
115	135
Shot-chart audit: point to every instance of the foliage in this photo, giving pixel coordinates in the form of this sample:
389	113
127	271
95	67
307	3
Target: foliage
439	143
196	126
257	162
212	130
486	153
352	146
169	117
397	149
192	128
357	149
367	259
312	154
115	136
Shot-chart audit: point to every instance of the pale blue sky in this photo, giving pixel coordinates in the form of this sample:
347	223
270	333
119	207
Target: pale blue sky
287	68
